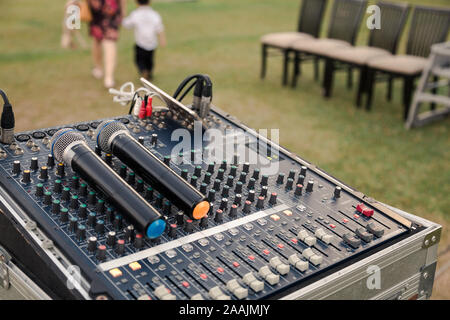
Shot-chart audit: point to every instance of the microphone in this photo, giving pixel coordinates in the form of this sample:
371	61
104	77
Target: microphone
70	147
113	137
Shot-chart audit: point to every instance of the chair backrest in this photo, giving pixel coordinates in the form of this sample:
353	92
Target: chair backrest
346	18
311	16
429	25
393	19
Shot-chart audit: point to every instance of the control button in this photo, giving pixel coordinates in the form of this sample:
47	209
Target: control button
361	208
34	164
247	207
281	267
264	180
218	216
298	263
50	161
115	273
92	244
60	170
217	294
301	179
188	226
16	167
289	184
250	280
363	234
234	287
260	202
280	179
376	231
44	173
310	241
101	252
246	167
270	277
163	293
47	198
337	192
26	176
39	190
310	186
302	234
351	240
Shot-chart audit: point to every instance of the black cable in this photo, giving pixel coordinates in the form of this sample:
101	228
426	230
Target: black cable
187	91
7	121
184	83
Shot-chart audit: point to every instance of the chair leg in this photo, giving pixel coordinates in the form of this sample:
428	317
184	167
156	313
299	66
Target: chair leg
349	77
263	60
361	85
408	88
434	91
370	87
297	69
316	68
389	88
328	78
285	66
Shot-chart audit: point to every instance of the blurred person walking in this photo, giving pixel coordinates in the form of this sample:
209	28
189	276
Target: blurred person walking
148	27
104	28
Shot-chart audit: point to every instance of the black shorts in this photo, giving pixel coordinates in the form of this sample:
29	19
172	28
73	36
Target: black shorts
144	59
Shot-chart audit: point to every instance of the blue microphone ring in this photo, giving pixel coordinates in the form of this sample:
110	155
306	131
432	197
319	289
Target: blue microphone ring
156	228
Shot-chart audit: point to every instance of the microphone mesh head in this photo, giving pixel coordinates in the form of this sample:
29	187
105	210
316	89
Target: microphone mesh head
62	139
105	130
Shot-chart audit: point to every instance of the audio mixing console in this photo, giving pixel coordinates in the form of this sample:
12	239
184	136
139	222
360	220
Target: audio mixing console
265	235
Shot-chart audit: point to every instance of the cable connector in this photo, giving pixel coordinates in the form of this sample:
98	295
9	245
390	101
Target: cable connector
7	121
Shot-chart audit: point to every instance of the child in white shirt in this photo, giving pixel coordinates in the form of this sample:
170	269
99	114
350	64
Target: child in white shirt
148	27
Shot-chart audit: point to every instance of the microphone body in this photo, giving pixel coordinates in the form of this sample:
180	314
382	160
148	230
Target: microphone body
113	137
101	177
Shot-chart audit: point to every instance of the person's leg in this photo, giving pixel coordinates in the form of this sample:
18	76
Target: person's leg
151	64
97	58
109	58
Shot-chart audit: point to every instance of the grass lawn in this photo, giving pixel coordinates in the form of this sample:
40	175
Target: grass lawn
372	152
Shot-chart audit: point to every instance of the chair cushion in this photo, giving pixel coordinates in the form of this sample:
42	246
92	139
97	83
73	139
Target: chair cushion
403	64
283	39
318	46
358	55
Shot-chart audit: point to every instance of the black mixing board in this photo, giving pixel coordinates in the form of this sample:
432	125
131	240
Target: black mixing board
266	235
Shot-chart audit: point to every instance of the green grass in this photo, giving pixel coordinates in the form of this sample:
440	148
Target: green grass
370	151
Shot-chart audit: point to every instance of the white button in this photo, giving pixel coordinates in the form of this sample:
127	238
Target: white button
223	297
215	292
241	293
248	278
264	271
275	261
160	291
197	296
302	265
293	259
307	253
327	238
283	269
302	234
273	279
233	285
257	285
319	233
310	241
316	259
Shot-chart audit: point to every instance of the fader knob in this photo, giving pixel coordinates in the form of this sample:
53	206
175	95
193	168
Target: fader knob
211	195
188	226
218	216
166	160
172	230
238	188
120	247
273	198
47	198
101	252
194	181
81	232
57	187
211	167
117	221
204	222
225	191
251	196
83	190
243	177
154	139
139	241
129	233
73	224
184	173
246	167
131	179
16	167
92	244
92	198
123	171
207	178
298	190
220	174
50	161
256	174
223	165
92	219
82	211
292	173
217	184
251	183
233	211
230	181
303	170
75	183
56	207
233	171
310	186
149	193
301	179
65	196
198	171
180	218
60	171
260	202
74	202
224	204
39	190
264	180
289	183
280	178
264	190
237	199
64	215
44	173
111	238
26	178
337	192
34	164
247	206
140	185
203	188
100	226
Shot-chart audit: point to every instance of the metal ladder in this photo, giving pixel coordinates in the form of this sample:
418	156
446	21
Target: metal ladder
438	67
